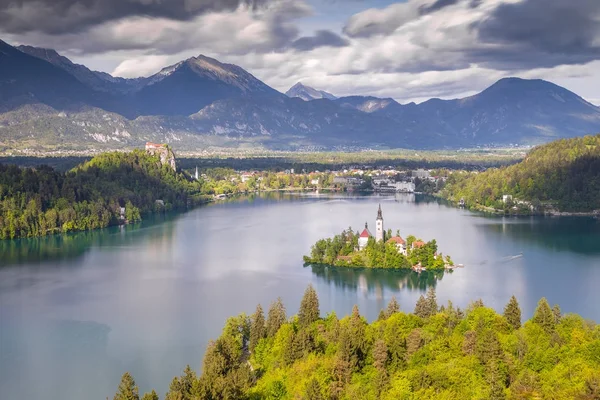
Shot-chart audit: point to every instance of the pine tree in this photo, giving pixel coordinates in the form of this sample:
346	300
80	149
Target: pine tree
512	313
276	317
557	313
544	316
382	315
313	390
432	307
258	330
187	382
150	396
380	355
488	347
414	341
496	381
309	308
422	308
380	360
127	389
393	307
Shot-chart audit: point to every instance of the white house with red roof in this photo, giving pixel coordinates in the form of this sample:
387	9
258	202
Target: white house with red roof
400	244
363	239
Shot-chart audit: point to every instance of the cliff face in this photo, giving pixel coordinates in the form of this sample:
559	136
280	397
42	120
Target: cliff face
167	157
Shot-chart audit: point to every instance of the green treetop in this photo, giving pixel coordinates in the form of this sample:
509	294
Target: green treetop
309	308
258	329
544	316
276	317
512	313
127	389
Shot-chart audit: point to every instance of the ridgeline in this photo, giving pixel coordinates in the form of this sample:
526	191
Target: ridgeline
562	176
434	353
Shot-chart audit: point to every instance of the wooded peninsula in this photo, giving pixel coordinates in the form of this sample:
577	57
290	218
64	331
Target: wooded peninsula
436	352
562	176
109	189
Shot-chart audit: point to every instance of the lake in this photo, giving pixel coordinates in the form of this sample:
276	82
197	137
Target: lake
77	311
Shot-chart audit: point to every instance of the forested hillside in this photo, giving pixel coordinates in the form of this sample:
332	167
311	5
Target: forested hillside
40	201
434	353
565	174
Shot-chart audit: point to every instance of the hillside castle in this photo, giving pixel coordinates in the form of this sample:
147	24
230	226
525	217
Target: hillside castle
167	157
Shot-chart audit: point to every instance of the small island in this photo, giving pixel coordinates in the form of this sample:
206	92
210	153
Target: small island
384	250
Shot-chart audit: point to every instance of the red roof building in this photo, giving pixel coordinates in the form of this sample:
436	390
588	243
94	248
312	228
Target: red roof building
397	240
363	239
418	244
365	234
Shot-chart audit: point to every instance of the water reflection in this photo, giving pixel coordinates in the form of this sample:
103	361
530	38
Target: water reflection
574	234
367	280
71	246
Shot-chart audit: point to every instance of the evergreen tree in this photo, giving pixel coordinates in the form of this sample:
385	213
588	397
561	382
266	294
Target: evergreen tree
382	315
393	307
276	317
309	308
313	390
357	341
380	355
488	347
414	341
422	308
512	313
496	381
557	313
544	316
258	329
432	307
127	389
150	396
380	360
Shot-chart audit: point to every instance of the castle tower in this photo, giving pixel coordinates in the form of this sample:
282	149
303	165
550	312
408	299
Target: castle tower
379	225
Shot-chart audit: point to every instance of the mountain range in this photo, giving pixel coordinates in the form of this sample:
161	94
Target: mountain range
49	103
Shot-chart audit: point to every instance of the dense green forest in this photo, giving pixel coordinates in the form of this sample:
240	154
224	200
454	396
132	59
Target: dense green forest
312	161
342	251
40	201
564	174
436	352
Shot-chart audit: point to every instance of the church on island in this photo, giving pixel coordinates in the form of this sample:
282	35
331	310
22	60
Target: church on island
363	239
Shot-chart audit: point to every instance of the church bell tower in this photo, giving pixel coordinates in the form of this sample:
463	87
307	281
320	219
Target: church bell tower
379	225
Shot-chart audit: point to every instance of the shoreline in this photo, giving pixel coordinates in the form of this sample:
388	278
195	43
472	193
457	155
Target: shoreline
499	212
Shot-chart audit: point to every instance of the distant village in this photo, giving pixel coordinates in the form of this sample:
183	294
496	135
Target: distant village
366	178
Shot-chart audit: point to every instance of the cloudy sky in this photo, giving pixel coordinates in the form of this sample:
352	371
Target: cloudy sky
410	50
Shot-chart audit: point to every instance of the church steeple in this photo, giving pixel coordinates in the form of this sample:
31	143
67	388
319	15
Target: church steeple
379	225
